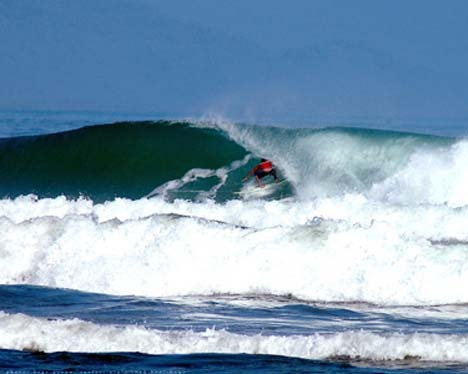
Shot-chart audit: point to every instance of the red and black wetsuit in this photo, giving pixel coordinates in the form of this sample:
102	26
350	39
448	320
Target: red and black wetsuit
265	168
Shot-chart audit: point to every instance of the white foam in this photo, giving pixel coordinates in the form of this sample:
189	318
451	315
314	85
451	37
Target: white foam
21	332
436	177
194	174
340	249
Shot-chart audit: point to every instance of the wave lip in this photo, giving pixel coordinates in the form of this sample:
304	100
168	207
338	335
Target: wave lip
387	166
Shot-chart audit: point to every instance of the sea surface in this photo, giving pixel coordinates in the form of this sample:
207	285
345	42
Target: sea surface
128	243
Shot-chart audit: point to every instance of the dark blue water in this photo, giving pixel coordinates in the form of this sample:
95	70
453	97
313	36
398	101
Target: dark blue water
249	316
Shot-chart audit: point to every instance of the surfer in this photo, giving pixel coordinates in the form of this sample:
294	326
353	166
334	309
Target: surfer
264	168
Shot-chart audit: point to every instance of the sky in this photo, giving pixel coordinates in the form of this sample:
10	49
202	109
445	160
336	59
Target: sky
239	58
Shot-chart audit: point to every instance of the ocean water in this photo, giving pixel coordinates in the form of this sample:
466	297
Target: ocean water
126	244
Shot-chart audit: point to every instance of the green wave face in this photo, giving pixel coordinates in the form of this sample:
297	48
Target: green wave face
198	161
108	161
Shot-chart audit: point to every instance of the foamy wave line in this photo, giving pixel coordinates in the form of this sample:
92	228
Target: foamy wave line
22	332
378	254
194	174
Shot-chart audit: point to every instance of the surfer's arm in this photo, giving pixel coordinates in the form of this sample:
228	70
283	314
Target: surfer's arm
260	184
250	173
273	173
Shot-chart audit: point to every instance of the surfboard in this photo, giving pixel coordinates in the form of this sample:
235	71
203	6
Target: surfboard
253	191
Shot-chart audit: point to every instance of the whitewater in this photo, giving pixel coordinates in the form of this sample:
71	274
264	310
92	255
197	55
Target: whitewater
132	237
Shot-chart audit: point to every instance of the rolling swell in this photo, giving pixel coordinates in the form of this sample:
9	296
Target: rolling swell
195	161
125	159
